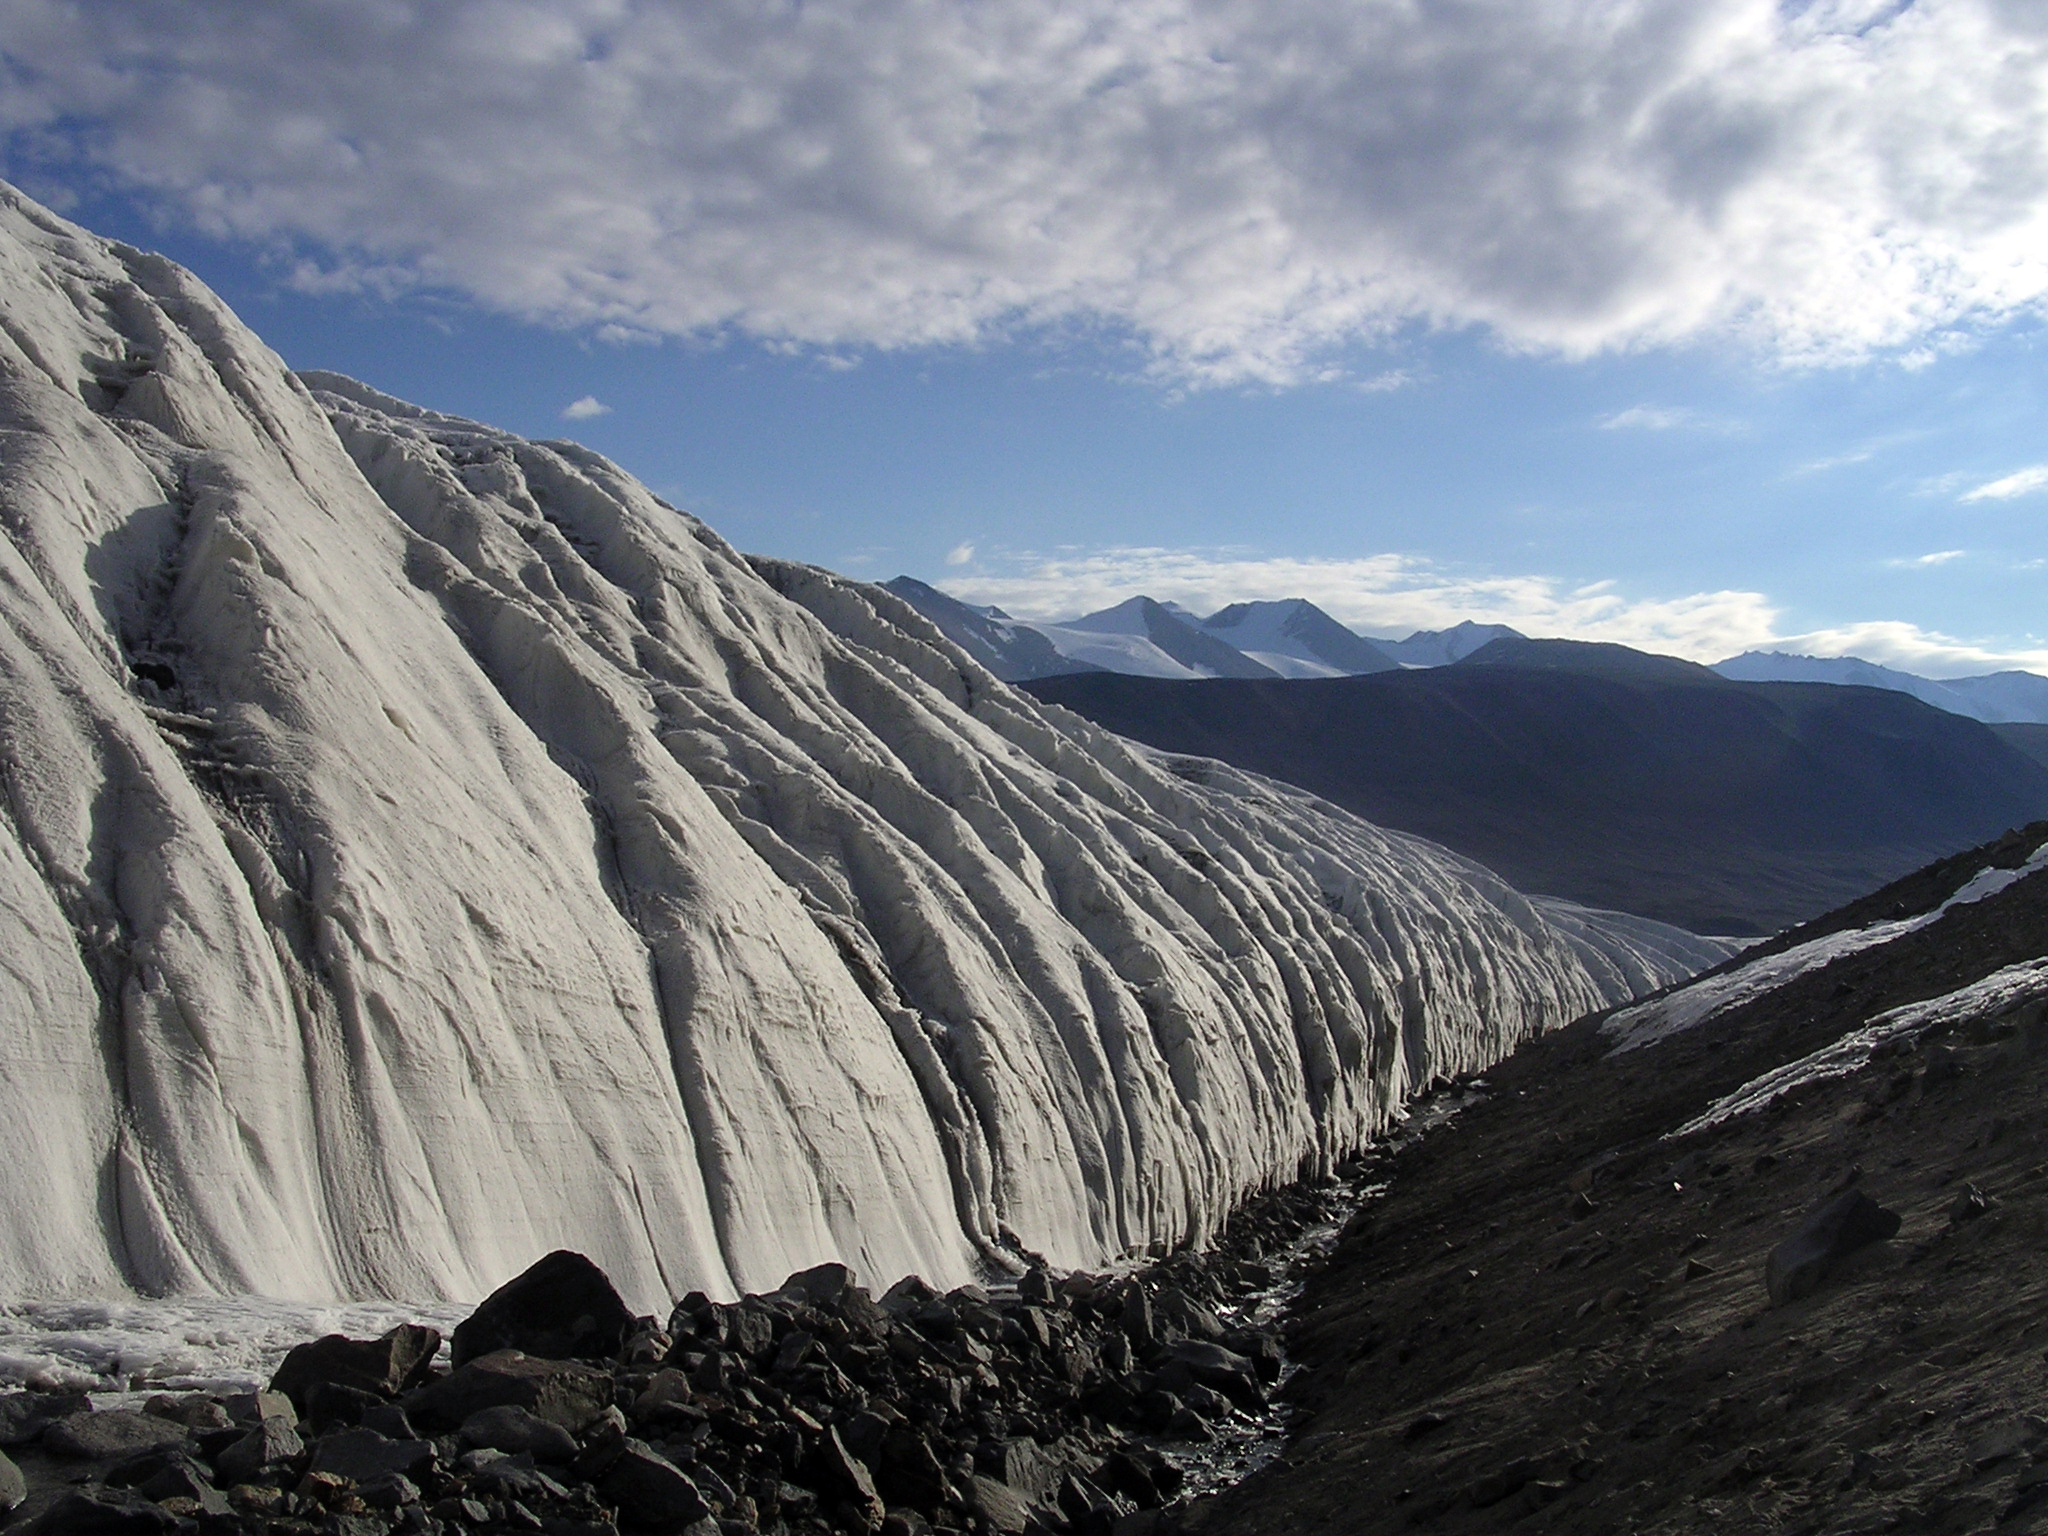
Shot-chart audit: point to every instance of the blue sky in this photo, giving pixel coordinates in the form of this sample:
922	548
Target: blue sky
1735	359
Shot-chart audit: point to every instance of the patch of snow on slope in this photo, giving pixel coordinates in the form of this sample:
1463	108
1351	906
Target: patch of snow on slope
2000	993
1691	1005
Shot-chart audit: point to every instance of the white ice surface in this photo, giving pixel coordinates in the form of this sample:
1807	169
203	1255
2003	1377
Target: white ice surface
182	1344
509	864
1991	997
1692	1005
1112	651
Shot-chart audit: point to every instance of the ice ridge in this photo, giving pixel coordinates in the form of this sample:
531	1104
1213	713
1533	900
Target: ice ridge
422	848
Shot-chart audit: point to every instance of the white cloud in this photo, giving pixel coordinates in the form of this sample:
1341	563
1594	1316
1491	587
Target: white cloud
1396	594
1664	418
1648	418
2020	483
585	409
1921	562
1240	184
1910	648
960	554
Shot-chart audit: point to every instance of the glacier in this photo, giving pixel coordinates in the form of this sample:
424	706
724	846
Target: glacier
424	848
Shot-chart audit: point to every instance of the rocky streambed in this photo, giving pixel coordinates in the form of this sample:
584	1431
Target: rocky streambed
1087	1403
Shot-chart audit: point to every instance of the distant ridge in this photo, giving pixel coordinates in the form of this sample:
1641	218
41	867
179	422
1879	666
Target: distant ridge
1616	778
1994	697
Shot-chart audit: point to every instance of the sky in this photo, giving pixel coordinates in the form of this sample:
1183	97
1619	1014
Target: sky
1701	325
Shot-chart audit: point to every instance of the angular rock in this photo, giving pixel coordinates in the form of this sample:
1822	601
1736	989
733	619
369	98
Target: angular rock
271	1443
562	1308
180	1477
195	1411
25	1415
821	1285
252	1407
389	1492
1000	1507
514	1430
363	1455
515	1477
13	1486
1215	1367
651	1490
560	1391
843	1476
1830	1233
105	1436
380	1367
105	1512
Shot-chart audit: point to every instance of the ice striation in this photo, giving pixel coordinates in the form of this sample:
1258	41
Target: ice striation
423	848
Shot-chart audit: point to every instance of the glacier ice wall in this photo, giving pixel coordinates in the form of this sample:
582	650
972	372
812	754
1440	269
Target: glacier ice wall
423	848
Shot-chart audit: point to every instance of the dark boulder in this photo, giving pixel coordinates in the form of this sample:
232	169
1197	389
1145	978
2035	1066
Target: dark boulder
563	1308
380	1368
652	1491
363	1456
560	1391
25	1415
1830	1233
841	1475
105	1512
105	1436
273	1442
514	1430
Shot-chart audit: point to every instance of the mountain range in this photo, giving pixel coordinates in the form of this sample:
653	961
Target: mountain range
1610	776
1295	638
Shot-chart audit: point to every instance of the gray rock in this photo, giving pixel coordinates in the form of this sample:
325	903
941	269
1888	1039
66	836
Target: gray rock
363	1455
183	1478
821	1286
271	1443
254	1407
391	1491
515	1477
652	1490
560	1391
380	1367
563	1308
1001	1507
843	1475
1830	1233
13	1486
194	1410
1220	1369
25	1415
105	1512
107	1436
513	1430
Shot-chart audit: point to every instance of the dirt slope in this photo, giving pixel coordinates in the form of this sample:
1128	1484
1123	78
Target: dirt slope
1554	1319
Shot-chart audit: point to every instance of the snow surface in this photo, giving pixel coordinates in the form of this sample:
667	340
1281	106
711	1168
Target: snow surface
422	848
2000	993
1295	638
1691	1005
1994	697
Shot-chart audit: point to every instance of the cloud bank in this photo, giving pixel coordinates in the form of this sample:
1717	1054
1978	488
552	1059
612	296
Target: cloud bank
1241	186
1393	595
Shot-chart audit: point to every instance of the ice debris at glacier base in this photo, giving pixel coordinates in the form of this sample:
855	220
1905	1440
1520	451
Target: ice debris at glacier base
423	849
